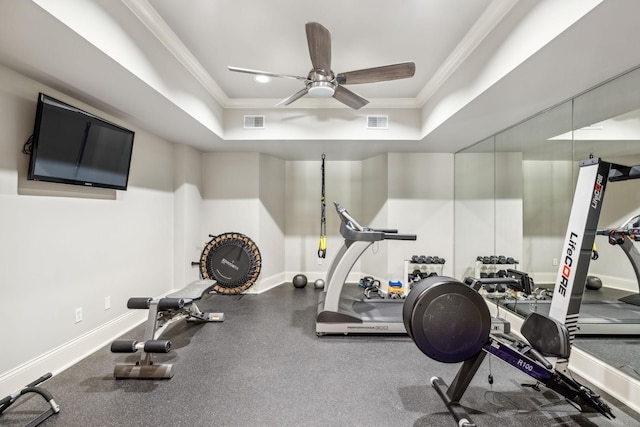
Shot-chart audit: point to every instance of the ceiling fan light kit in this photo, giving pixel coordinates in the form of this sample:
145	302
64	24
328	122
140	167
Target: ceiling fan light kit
321	89
322	82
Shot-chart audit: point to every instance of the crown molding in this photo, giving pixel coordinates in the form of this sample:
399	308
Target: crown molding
159	28
494	13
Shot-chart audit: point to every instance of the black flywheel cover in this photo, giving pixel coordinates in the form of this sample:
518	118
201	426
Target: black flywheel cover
448	320
232	260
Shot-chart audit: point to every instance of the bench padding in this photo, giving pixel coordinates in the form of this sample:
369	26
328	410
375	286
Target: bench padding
194	290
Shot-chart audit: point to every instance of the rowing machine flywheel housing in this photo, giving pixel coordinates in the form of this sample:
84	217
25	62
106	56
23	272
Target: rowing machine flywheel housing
448	320
232	260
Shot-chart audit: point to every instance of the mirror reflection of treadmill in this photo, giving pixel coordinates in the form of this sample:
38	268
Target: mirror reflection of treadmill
340	309
605	311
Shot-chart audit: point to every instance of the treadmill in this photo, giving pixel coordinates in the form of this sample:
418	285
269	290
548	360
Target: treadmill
589	314
341	313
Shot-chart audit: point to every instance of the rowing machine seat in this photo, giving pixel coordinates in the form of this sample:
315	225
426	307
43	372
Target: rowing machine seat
547	335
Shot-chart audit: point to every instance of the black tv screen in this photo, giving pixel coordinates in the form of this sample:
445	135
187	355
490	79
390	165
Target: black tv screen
72	146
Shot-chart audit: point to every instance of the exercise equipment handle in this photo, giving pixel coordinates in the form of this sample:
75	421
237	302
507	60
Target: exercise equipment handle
395	236
40	380
385	230
347	218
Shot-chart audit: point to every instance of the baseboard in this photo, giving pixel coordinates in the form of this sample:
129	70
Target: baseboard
70	353
267	283
608	281
619	283
286	277
615	382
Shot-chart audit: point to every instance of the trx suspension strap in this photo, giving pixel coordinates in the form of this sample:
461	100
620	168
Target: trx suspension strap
322	246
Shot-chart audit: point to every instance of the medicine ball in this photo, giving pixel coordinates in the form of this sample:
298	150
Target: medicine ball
318	284
594	283
299	281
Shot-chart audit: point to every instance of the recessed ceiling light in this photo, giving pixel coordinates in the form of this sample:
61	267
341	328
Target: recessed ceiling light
262	78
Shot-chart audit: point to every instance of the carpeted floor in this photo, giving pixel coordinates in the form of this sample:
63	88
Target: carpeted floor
264	366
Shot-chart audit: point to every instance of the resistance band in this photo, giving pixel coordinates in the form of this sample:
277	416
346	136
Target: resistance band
322	246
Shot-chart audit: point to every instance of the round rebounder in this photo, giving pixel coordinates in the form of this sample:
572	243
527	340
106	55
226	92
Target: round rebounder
232	260
448	320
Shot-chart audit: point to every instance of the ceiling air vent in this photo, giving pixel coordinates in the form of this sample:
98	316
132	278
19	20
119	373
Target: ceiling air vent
377	122
254	122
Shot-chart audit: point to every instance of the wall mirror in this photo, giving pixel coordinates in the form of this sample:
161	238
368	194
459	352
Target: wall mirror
513	195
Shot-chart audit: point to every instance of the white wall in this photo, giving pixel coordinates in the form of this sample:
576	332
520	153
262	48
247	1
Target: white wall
187	211
474	210
509	206
303	205
547	198
245	193
412	193
271	221
421	202
375	214
66	247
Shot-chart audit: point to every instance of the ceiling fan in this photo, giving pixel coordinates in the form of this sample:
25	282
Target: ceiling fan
322	82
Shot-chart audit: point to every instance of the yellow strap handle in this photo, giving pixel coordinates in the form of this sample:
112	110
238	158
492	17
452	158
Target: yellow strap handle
322	247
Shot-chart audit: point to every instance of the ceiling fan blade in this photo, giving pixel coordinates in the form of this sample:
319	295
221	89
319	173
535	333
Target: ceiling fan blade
264	73
293	97
378	74
319	41
349	98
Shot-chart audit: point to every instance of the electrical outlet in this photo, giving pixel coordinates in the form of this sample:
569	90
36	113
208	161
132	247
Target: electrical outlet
107	303
78	314
555	262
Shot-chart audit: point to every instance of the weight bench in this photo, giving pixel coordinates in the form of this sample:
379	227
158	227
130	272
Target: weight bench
163	312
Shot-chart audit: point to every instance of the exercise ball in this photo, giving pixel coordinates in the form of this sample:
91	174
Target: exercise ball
318	284
594	283
299	281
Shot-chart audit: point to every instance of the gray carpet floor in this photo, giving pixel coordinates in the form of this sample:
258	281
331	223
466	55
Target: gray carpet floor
265	366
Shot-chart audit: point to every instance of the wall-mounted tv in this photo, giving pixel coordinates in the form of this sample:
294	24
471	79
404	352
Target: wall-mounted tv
72	146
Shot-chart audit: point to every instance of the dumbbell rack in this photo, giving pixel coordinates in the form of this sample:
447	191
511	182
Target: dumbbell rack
493	266
425	268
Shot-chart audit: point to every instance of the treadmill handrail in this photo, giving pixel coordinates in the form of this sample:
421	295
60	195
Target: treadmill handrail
345	217
395	236
352	230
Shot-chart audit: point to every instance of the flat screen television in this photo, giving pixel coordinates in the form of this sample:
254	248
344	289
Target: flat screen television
72	146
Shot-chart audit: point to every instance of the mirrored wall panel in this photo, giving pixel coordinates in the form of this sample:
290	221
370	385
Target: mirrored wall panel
514	193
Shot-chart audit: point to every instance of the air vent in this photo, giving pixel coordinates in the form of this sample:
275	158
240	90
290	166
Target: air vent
377	122
254	122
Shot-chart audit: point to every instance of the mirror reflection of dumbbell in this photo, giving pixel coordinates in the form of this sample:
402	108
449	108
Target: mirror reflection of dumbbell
495	288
